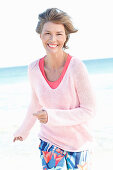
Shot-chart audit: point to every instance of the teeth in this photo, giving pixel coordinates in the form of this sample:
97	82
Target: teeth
52	45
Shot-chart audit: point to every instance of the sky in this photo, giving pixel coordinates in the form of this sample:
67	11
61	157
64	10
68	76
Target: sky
20	44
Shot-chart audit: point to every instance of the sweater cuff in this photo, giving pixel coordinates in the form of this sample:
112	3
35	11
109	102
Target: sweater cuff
19	132
49	113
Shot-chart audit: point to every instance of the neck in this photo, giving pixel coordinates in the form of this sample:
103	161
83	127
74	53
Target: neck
55	61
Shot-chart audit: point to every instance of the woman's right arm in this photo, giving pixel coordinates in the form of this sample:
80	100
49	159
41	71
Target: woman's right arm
29	119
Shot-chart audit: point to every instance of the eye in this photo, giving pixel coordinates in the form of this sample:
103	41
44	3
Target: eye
59	34
47	33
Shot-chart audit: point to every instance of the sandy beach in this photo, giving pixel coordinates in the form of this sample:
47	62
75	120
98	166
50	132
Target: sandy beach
102	160
25	155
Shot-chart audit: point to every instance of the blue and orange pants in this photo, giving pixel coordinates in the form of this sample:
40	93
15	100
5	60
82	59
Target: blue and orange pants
55	158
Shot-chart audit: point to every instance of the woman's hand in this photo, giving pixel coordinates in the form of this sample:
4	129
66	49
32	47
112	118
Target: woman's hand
42	116
18	138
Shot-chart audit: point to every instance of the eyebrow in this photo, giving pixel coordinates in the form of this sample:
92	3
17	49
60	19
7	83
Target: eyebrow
57	31
60	32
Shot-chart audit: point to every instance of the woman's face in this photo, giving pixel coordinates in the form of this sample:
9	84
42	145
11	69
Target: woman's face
53	37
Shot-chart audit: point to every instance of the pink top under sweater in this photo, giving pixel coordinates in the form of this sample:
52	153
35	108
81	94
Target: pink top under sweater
54	84
69	102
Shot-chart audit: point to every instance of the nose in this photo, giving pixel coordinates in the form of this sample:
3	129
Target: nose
53	38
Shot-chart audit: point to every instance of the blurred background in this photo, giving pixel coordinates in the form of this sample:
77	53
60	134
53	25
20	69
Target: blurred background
20	45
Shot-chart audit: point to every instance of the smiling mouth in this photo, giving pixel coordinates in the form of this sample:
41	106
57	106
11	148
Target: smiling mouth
52	45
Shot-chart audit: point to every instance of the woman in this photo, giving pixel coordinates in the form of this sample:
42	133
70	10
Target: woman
62	98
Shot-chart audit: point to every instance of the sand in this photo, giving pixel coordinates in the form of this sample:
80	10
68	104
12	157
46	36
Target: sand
102	160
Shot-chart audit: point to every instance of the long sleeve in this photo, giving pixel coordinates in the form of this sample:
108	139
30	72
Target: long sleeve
33	107
86	109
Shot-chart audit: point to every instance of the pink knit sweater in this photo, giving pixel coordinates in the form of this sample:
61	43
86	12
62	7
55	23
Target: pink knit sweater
69	102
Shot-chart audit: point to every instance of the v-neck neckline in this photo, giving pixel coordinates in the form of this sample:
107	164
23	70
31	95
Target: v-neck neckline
54	84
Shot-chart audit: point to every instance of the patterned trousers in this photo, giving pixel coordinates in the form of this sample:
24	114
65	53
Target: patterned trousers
55	158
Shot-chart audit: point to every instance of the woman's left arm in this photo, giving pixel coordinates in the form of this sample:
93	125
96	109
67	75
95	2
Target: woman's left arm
86	110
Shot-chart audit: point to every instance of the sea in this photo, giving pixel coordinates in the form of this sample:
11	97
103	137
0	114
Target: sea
15	98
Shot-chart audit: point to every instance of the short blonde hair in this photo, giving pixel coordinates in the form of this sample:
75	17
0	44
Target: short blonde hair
59	17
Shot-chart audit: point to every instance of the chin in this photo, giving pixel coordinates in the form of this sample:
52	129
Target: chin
54	51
